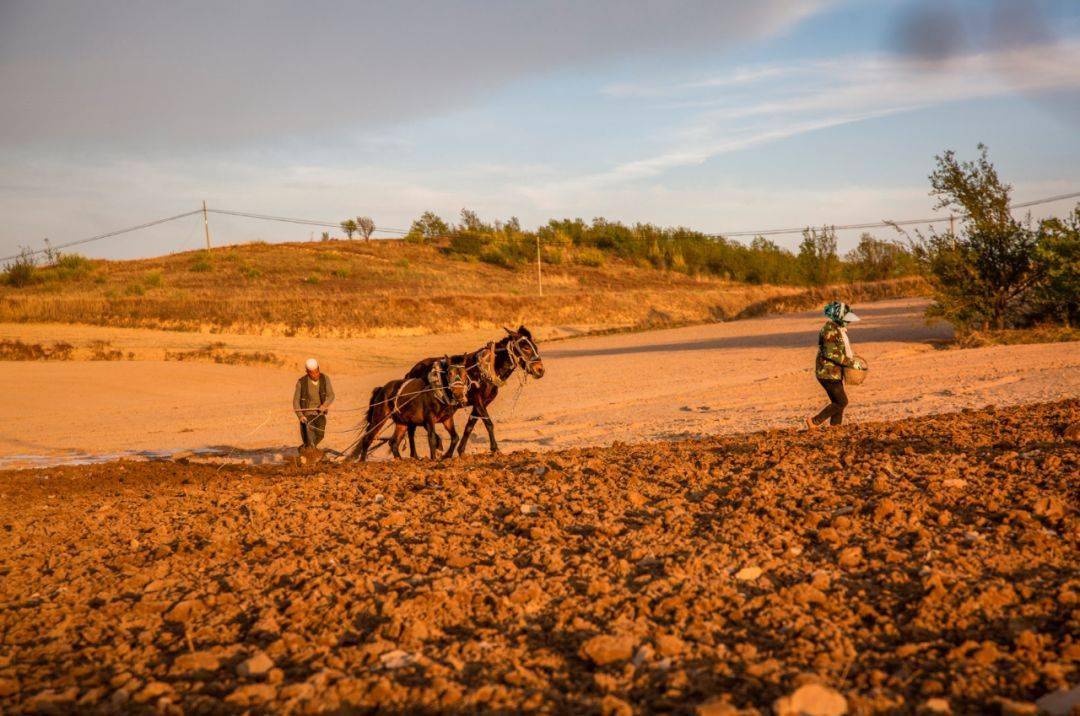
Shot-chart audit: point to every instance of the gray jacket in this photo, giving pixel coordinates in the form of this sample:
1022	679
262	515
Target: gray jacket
304	403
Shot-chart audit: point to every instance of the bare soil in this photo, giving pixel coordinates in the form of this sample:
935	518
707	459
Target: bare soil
895	564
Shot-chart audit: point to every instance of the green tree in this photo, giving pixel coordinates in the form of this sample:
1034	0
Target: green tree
1057	297
984	274
349	227
428	227
876	259
817	256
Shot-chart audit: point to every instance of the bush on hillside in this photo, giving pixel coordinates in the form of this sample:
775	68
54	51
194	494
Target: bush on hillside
21	271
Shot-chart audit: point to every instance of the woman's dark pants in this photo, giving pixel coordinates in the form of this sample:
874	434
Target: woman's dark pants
834	411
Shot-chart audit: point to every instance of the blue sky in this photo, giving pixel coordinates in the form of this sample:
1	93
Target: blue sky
719	116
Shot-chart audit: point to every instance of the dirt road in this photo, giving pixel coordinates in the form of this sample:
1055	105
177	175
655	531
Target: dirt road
719	378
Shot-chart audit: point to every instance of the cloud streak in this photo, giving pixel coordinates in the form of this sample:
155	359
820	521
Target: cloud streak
752	106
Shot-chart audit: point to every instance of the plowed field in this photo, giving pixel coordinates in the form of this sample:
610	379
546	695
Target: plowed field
892	563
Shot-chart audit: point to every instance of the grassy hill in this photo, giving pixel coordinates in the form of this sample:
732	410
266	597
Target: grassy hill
355	288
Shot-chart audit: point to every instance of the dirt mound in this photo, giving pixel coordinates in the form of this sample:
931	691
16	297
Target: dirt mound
922	564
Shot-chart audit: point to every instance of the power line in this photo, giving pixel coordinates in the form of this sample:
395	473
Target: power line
389	230
99	237
883	224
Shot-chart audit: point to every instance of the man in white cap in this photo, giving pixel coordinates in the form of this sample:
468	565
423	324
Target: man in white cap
311	400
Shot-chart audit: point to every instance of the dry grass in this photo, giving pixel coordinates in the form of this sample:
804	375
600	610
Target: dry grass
18	350
1017	336
341	288
217	353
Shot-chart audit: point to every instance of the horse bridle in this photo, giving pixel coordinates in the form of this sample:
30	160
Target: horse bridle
446	395
515	352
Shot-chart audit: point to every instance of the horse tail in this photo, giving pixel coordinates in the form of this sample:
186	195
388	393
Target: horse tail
373	403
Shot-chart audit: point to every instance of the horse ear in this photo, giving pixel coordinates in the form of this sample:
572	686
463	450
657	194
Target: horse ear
508	331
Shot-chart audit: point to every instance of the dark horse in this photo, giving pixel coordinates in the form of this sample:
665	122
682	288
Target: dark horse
489	368
423	400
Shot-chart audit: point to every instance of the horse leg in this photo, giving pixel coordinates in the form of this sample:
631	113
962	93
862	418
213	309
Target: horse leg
469	425
489	425
395	441
429	424
452	429
412	442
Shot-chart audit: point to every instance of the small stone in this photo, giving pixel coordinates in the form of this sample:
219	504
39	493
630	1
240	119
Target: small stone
850	557
8	687
644	653
199	661
607	649
1009	707
954	482
153	690
667	645
614	706
252	694
748	574
528	509
256	665
936	706
379	499
811	700
396	659
716	706
1061	702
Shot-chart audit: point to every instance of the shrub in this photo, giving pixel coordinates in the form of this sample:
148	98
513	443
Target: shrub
202	264
590	257
22	270
496	255
153	279
134	289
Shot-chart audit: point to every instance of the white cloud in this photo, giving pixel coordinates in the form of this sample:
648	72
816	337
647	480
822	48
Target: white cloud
751	106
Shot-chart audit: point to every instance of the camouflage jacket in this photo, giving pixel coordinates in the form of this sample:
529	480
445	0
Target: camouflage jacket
830	356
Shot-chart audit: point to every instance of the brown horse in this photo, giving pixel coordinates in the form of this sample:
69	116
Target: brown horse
415	401
489	368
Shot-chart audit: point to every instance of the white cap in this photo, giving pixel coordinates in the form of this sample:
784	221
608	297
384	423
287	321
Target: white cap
311	364
850	317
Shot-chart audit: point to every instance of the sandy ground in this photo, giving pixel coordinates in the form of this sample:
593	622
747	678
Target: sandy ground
720	378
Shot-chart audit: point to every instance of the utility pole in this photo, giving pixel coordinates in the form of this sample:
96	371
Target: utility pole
951	226
539	273
206	225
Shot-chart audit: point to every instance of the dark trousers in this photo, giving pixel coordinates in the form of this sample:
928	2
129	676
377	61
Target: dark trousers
834	411
313	430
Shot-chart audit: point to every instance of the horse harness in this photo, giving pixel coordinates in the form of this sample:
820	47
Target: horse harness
441	384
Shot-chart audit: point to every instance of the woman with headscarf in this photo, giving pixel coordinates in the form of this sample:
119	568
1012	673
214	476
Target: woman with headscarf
834	354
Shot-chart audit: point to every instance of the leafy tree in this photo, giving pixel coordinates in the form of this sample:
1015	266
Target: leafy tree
1058	296
817	256
972	188
366	226
875	259
984	274
428	227
326	236
349	227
